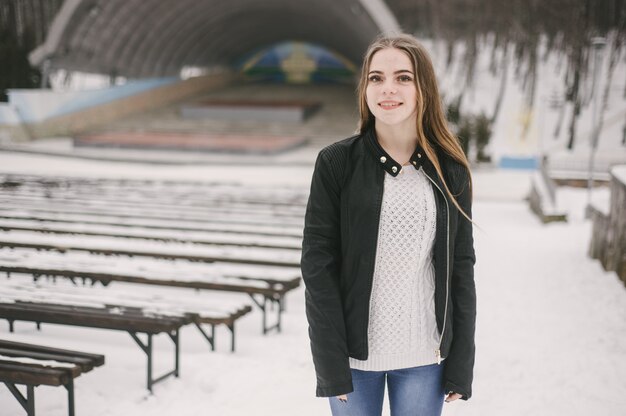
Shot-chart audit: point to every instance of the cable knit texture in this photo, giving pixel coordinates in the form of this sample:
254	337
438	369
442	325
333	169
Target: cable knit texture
402	330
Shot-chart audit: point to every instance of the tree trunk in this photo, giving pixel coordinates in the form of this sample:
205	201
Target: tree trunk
503	81
613	58
575	110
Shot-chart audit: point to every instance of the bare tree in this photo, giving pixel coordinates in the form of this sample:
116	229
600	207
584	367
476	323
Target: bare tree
567	27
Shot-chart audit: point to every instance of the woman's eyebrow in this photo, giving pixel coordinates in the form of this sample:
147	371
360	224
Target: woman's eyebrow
395	72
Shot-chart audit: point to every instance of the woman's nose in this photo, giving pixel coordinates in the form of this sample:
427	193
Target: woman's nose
389	88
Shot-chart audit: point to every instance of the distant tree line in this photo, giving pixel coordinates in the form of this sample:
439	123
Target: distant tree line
525	26
23	26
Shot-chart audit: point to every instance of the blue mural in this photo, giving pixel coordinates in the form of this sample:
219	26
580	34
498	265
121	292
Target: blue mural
298	63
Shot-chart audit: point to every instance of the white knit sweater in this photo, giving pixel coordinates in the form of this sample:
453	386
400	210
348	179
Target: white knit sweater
402	330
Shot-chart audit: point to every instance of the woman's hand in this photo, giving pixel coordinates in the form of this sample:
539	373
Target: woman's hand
343	398
452	396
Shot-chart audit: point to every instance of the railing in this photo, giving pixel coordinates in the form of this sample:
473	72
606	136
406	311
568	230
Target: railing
573	170
548	182
542	197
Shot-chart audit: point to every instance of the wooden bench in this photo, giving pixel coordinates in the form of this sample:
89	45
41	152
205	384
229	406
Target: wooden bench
106	309
169	191
129	320
265	293
205	310
135	206
36	365
38	199
260	209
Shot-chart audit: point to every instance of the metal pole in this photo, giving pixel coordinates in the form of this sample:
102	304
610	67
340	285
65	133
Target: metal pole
598	45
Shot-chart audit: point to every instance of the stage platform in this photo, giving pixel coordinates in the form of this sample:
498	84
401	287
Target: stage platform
197	142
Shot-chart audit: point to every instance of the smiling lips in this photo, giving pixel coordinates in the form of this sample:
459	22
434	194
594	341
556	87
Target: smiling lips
389	105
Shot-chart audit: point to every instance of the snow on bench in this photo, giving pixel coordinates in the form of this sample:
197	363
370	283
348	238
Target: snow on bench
206	309
194	237
147	248
271	283
175	225
35	365
157	269
194	207
13	203
157	190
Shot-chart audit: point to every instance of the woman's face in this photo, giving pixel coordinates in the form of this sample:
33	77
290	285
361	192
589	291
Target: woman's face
390	93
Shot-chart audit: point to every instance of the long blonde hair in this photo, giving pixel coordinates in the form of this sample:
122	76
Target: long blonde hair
432	127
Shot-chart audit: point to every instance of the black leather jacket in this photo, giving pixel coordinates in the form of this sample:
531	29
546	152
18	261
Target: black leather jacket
339	250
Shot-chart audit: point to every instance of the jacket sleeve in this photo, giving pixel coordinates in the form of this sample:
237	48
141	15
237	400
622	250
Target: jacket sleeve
460	361
320	264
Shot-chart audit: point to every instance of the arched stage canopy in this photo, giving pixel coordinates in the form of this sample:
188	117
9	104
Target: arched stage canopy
150	38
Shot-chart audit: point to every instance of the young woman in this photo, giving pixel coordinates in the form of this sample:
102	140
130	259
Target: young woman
387	255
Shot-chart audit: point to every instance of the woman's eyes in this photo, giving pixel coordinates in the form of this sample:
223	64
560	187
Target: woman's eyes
401	78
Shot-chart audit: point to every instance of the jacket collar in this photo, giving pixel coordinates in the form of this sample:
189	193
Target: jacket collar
392	167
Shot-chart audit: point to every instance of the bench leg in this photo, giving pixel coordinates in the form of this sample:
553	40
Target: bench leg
280	313
12	326
264	312
232	336
149	353
177	352
264	307
147	348
176	340
28	402
209	338
70	397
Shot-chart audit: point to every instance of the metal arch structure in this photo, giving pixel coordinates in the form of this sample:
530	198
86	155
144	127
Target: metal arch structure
154	38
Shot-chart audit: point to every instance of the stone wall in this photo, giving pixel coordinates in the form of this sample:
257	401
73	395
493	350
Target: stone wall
608	240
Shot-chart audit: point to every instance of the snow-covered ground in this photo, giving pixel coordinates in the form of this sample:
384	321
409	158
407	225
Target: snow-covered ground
550	333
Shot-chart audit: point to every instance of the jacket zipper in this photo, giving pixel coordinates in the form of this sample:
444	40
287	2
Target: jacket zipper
371	283
445	312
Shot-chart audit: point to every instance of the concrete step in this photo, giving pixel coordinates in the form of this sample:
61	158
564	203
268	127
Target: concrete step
335	119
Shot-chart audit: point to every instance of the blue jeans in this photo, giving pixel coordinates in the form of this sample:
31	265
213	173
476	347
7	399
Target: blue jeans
416	391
